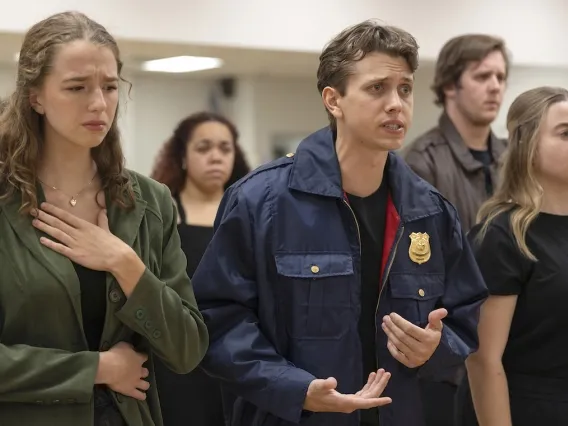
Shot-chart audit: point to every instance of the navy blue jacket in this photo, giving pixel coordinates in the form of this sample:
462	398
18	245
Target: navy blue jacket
279	288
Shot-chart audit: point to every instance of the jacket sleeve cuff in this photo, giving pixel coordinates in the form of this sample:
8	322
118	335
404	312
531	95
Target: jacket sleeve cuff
292	387
445	364
142	311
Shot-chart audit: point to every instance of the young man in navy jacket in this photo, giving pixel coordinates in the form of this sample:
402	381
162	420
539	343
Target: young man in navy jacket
337	270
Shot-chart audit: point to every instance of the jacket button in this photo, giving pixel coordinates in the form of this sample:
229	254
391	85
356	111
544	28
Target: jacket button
157	334
290	155
315	269
114	296
149	325
421	293
140	314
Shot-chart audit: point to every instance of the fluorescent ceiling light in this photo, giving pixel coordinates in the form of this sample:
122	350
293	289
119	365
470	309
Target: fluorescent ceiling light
180	64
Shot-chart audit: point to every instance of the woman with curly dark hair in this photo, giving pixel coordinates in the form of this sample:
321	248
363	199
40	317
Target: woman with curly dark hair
92	277
200	160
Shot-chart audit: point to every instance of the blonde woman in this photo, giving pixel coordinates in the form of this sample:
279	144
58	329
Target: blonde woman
519	376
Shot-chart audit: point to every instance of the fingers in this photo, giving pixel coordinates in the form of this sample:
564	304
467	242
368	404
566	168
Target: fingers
53	227
143	385
435	319
320	395
142	356
399	356
66	217
325	385
403	347
369	396
406	326
379	383
319	388
145	373
53	221
136	394
350	403
59	248
370	380
366	403
373	387
409	344
401	340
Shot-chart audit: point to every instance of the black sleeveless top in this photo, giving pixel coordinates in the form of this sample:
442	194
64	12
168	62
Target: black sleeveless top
194	239
195	398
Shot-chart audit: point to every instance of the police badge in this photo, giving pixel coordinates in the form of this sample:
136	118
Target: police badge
419	250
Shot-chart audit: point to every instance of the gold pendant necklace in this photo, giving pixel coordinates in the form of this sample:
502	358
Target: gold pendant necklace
73	199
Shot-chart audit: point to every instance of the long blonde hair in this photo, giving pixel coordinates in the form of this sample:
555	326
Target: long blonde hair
519	190
21	130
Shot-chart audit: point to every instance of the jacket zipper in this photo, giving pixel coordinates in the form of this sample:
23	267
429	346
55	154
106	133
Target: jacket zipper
383	284
360	249
386	276
386	273
356	224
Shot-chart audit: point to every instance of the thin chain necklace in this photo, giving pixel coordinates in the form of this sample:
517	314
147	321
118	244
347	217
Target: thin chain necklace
73	199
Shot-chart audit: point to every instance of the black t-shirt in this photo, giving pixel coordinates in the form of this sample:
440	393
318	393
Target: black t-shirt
538	339
485	157
93	304
371	215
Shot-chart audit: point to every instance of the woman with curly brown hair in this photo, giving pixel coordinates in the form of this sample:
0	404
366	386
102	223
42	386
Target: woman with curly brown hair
92	276
200	160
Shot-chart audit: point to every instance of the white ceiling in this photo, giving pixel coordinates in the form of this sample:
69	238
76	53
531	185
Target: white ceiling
535	30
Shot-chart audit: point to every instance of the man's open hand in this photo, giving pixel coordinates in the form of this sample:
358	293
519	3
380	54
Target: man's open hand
322	396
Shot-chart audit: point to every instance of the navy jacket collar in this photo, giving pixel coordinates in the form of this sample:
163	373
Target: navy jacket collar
316	171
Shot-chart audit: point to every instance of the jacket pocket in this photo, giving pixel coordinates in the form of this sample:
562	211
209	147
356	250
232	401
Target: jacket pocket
315	292
414	296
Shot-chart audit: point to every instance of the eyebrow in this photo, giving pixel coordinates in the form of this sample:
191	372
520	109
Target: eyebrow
561	125
209	141
485	72
405	79
82	79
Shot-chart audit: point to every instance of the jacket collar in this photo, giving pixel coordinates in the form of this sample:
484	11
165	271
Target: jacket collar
123	223
460	149
316	171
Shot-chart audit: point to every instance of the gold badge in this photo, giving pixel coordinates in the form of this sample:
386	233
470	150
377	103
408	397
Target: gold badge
419	250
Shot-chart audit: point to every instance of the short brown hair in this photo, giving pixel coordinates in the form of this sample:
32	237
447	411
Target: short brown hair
457	54
353	44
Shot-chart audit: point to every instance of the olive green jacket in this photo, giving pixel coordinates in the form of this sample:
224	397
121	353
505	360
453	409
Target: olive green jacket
46	371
